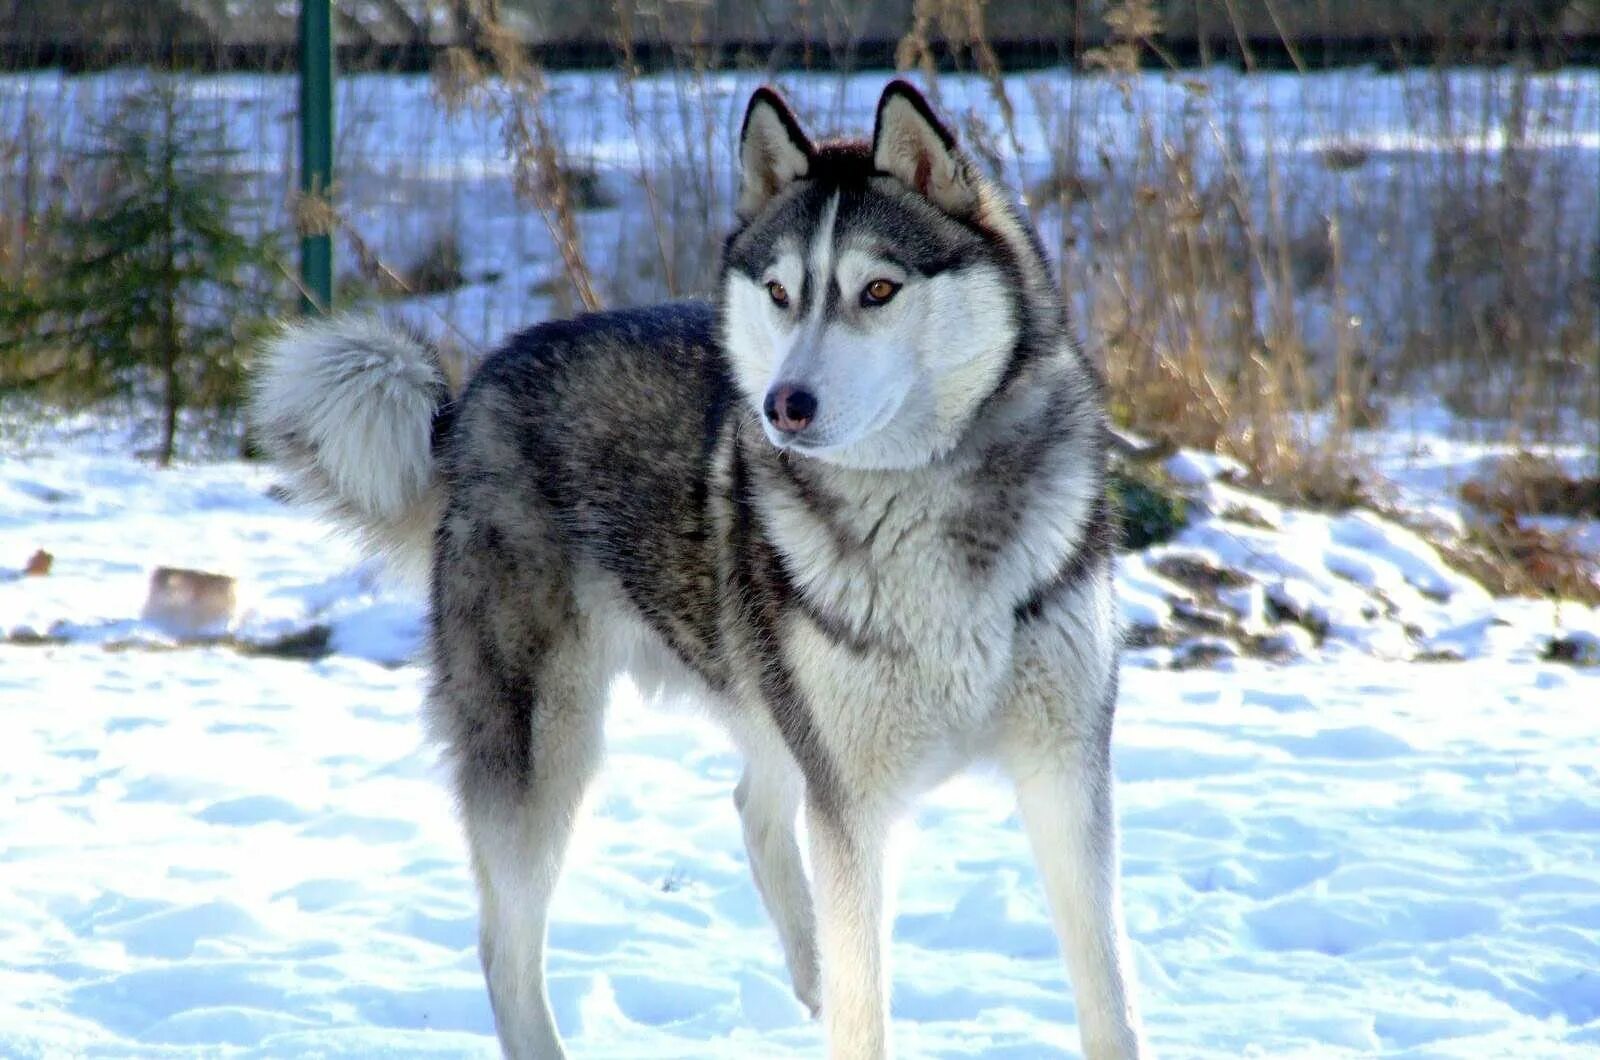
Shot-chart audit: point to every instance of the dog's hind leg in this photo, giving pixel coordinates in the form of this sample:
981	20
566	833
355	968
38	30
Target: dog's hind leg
518	838
768	797
1061	764
519	701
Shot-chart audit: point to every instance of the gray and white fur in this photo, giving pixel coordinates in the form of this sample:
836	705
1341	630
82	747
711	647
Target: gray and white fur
857	506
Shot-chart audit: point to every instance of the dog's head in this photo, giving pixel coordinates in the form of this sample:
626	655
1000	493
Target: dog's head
875	292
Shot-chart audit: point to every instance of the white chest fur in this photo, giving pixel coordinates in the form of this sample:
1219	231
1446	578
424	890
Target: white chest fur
898	645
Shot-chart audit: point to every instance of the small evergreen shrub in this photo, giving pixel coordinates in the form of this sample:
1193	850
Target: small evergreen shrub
145	288
1152	510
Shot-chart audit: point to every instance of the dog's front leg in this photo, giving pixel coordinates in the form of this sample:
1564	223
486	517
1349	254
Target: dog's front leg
768	798
847	852
1063	778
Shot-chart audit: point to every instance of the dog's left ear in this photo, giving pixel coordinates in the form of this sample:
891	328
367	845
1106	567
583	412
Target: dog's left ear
909	142
773	152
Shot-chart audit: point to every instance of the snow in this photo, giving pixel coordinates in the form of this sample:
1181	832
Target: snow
204	850
1426	453
1357	580
207	850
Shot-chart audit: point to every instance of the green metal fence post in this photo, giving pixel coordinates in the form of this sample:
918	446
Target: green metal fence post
316	144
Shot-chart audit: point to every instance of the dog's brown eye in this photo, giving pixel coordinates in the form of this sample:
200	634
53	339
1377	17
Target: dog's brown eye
779	293
878	292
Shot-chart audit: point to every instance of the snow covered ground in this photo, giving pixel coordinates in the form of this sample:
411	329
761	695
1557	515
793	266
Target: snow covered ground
202	851
1339	854
1262	577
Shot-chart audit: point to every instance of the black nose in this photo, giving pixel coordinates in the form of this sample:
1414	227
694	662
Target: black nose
789	408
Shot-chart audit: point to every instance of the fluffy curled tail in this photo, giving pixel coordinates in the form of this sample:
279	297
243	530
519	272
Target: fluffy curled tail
347	406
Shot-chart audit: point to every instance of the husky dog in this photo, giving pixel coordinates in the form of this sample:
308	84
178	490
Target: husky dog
857	505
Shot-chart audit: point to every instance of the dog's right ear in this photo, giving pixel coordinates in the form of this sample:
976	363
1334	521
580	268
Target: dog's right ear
773	152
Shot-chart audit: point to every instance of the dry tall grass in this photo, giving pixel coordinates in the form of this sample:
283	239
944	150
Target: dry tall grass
1215	295
1217	290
